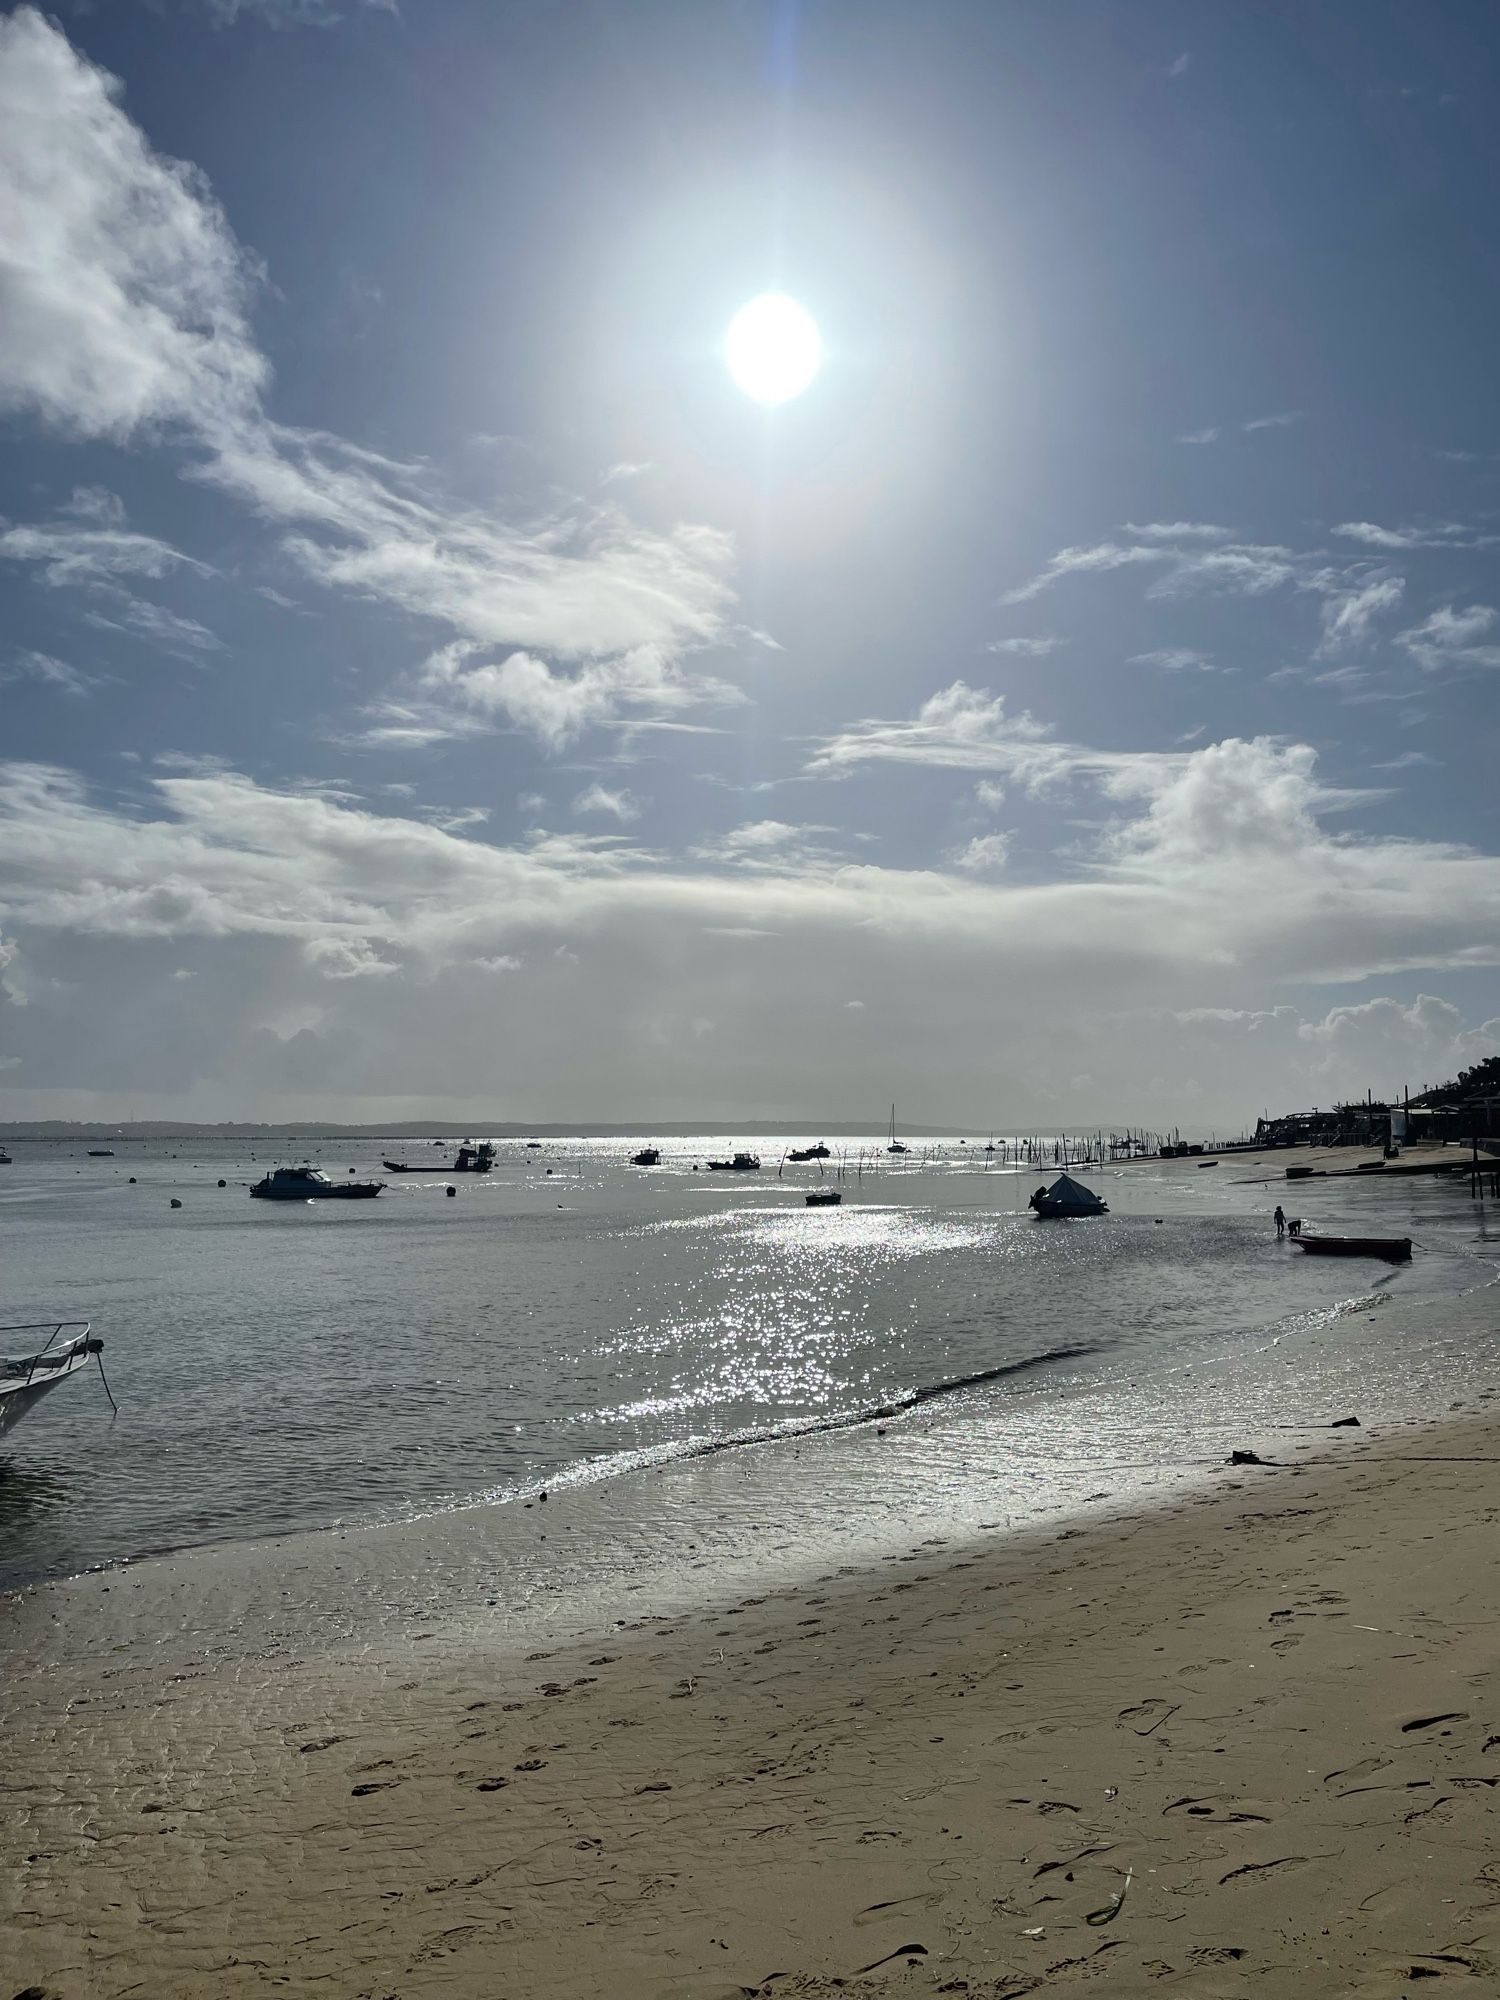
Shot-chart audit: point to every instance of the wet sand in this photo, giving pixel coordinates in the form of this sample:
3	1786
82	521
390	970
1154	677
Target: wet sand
1246	1742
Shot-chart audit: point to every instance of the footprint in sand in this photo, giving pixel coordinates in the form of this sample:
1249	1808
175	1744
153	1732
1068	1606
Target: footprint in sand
1220	1811
1351	1776
1145	1716
927	1899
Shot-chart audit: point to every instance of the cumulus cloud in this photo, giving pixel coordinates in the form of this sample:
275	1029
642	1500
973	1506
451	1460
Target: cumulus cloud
1381	1044
1036	647
459	684
347	958
985	854
618	804
1224	874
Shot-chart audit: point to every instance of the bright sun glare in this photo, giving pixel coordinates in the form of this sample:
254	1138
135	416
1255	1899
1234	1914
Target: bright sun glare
772	348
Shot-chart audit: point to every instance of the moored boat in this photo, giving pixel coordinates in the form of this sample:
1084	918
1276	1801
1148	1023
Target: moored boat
398	1167
822	1198
1393	1249
648	1156
474	1159
742	1163
26	1378
895	1145
1065	1199
312	1184
801	1153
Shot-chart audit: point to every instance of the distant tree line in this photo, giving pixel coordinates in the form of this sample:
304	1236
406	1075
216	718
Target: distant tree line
1483	1080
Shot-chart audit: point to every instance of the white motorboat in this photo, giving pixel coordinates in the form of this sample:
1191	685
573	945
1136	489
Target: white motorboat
312	1184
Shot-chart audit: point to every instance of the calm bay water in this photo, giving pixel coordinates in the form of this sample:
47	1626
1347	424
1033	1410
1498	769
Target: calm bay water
286	1366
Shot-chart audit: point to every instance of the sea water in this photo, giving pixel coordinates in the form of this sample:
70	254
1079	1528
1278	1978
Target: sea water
569	1319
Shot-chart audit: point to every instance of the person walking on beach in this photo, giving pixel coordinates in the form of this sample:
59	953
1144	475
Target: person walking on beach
1280	1220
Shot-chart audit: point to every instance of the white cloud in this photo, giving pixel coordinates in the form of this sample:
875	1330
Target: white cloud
1180	65
985	854
155	624
347	958
51	672
1349	617
123	291
1028	648
1177	660
769	843
1246	570
1243	568
556	706
620	805
1432	535
989	795
1209	435
67	555
1279	421
125	299
1082	561
1231	802
1226	880
1448	638
966	729
1381	1044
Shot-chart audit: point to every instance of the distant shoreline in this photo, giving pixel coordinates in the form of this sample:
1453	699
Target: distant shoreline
831	1128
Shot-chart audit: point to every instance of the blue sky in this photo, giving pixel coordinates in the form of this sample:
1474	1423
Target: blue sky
428	684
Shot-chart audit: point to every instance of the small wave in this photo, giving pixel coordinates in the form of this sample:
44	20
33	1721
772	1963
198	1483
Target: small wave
645	1458
996	1374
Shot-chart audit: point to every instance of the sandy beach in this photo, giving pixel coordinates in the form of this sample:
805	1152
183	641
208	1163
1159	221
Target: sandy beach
1246	1741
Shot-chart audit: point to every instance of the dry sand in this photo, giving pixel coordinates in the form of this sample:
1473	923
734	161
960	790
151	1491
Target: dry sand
1249	1743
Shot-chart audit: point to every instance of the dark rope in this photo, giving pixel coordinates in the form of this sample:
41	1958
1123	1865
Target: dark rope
99	1357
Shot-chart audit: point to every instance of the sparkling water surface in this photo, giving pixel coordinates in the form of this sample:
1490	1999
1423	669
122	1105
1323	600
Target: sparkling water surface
286	1366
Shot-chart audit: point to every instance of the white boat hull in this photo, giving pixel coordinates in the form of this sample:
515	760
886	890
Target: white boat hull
22	1390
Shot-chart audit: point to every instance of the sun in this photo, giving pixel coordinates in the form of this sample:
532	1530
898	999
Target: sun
772	348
